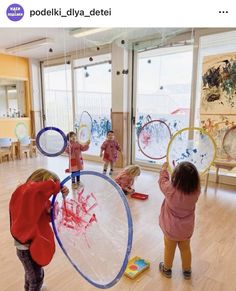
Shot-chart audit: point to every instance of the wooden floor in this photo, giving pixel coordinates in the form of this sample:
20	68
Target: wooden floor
213	243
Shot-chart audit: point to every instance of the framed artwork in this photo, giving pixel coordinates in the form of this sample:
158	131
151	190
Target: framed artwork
218	90
217	126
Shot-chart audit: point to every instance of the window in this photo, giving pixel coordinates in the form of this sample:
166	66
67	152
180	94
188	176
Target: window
58	97
93	94
163	90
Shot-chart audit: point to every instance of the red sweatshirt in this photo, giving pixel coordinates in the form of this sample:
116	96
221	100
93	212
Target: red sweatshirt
29	218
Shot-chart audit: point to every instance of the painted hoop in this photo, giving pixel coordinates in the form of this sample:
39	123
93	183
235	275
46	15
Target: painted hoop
140	133
57	130
201	130
130	231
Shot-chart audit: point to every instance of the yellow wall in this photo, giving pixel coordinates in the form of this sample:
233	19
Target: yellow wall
8	125
16	68
12	67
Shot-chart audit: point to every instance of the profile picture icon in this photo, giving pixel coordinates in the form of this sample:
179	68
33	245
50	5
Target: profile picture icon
15	12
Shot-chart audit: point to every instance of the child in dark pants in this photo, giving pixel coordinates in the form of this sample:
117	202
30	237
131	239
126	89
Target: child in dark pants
34	274
29	224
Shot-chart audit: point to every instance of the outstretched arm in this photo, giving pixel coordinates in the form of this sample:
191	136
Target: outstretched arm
164	180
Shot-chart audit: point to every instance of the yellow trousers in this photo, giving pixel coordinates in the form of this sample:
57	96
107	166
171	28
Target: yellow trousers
184	247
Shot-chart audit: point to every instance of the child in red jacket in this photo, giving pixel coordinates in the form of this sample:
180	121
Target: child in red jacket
29	224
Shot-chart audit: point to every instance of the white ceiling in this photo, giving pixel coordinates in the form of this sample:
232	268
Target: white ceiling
64	42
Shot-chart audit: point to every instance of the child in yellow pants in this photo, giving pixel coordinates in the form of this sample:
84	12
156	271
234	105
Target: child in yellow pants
178	213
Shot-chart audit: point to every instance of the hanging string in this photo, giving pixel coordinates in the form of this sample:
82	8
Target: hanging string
65	66
47	89
66	83
75	89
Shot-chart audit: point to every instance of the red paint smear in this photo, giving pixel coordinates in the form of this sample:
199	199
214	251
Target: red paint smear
76	214
133	267
145	138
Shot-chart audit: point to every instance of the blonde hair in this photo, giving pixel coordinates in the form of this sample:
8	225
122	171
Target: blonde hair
133	170
42	175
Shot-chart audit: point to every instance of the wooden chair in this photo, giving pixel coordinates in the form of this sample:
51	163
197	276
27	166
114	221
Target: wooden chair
33	147
6	149
25	147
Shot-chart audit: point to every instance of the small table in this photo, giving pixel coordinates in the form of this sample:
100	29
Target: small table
220	164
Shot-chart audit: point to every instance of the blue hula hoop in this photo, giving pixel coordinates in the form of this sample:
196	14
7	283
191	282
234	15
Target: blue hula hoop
57	130
130	230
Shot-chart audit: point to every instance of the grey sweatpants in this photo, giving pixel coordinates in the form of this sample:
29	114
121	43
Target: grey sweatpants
34	273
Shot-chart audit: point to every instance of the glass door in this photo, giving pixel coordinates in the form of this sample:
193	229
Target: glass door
93	94
57	93
163	91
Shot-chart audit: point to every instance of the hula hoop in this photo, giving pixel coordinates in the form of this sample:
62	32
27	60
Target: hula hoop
140	133
225	147
42	131
201	130
81	128
22	124
130	231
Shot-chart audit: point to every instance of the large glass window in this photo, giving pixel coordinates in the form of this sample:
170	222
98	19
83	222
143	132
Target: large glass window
58	97
93	94
163	90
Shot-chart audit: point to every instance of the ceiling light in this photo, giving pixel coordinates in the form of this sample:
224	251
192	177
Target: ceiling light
29	45
81	32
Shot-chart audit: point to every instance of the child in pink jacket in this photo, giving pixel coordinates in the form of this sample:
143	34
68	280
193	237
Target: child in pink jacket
125	179
109	150
74	150
178	213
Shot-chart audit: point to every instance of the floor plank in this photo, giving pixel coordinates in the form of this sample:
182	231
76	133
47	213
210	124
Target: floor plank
213	243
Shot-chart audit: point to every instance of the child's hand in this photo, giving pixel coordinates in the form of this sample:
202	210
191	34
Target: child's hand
165	166
130	190
64	191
